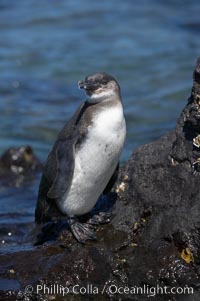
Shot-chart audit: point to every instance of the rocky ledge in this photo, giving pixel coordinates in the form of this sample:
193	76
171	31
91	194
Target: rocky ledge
151	247
18	165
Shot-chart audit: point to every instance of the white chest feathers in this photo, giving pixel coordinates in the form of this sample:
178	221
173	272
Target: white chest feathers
95	161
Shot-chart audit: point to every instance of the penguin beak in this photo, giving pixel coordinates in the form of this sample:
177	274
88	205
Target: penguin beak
87	85
81	84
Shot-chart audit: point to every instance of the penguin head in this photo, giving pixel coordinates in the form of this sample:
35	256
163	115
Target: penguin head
99	87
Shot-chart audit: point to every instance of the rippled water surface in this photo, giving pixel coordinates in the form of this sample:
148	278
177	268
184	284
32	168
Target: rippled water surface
47	46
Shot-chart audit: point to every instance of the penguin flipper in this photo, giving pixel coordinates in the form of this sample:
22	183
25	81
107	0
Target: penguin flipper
112	180
64	169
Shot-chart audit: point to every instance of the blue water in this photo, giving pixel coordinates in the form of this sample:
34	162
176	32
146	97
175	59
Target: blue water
47	46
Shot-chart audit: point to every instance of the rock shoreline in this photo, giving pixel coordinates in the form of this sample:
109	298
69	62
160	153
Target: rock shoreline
153	239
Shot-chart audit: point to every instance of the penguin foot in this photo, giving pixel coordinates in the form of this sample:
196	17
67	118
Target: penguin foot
82	231
100	218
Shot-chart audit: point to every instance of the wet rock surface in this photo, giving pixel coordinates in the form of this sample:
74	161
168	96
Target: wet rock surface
152	240
17	165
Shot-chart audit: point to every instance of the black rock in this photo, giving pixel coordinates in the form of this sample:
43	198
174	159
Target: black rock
17	164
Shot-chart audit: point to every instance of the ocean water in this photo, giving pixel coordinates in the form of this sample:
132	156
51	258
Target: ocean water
47	46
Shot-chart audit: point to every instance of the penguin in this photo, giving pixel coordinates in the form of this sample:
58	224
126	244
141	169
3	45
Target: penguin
84	157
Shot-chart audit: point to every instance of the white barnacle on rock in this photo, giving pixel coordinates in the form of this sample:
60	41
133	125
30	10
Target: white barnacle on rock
173	162
197	99
16	169
120	187
196	141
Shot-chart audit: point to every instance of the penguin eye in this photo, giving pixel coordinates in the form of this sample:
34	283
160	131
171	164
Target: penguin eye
104	82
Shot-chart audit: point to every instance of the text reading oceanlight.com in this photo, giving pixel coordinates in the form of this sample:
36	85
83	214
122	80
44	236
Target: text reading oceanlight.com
111	289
